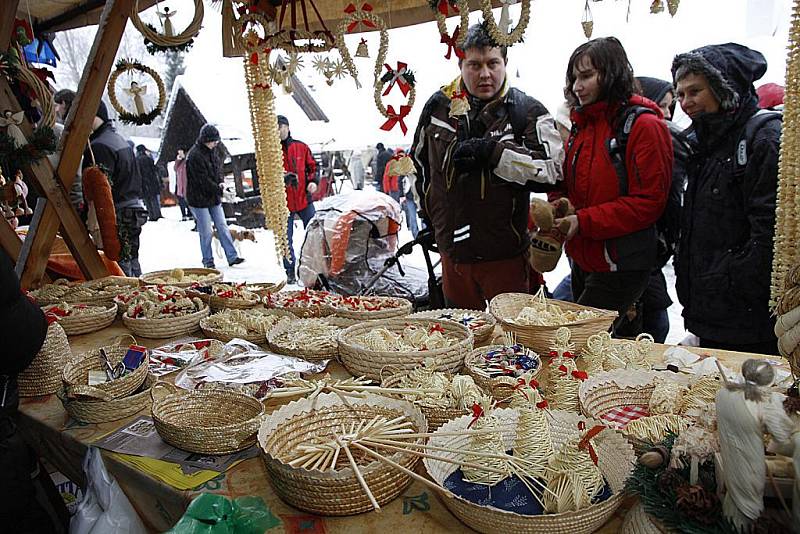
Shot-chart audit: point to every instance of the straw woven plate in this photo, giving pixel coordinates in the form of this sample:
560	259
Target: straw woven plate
101	411
480	334
206	421
361	361
337	492
500	387
190	276
539	338
389	307
85	323
616	460
166	327
43	375
76	374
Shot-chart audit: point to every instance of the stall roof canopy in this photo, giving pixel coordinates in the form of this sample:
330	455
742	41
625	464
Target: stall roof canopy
55	15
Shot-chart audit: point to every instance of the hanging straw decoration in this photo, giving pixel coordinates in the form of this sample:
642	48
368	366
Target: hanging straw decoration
587	22
499	33
354	17
443	9
290	33
787	215
166	42
575	478
269	155
672	7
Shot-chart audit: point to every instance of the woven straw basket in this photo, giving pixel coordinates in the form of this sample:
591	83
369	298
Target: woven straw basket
166	327
206	421
97	297
85	323
618	388
501	388
637	521
539	338
43	375
318	352
149	278
252	336
321	310
434	415
102	411
397	308
337	492
480	334
359	360
76	375
263	289
616	460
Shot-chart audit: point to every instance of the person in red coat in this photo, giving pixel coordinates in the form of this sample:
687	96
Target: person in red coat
301	180
612	236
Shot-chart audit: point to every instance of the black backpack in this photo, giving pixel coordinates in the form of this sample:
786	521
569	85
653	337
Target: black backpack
668	225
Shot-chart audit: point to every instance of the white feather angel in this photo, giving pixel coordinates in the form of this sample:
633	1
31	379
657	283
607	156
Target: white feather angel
11	121
169	31
136	91
745	411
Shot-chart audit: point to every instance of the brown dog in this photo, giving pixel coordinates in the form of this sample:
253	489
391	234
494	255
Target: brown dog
237	236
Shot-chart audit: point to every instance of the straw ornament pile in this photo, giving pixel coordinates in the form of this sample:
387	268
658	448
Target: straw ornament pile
542	313
78	319
251	324
414	337
312	339
160	302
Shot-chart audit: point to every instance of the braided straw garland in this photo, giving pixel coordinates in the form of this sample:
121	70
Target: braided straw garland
516	35
463	10
168	41
383	49
787	214
124	66
269	155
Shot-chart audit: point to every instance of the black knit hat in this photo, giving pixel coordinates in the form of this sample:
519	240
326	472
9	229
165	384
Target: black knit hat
283	120
102	112
141	149
208	133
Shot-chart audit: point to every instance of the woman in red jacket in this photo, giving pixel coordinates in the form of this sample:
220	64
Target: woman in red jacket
612	236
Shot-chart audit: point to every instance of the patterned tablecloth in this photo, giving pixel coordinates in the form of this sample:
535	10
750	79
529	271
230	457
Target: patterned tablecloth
62	441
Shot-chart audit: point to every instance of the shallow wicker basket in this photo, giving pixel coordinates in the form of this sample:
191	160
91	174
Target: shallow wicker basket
616	460
207	421
213	276
637	521
361	361
254	337
166	327
43	375
97	295
85	323
397	307
480	334
500	387
219	303
76	373
539	338
333	493
434	415
88	410
318	310
608	390
265	288
324	351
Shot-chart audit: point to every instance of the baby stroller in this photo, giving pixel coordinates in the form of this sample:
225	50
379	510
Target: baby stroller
351	248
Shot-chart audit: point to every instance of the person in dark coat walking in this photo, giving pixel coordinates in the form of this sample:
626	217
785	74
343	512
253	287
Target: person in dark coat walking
204	195
151	185
724	258
381	159
23	329
111	153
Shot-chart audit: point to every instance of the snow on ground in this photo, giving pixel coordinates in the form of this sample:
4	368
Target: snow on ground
169	243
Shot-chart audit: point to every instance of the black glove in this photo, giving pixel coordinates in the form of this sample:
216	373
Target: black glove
475	153
290	179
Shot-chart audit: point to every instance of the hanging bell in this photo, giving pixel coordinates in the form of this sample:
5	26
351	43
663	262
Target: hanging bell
362	50
657	6
588	26
672	6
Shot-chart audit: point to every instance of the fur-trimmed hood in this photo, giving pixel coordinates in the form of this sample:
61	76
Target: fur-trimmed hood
729	68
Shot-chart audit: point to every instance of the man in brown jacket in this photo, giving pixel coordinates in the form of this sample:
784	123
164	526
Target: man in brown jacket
480	148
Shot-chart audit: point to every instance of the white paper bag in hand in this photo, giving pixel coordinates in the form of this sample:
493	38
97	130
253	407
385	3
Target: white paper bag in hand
104	507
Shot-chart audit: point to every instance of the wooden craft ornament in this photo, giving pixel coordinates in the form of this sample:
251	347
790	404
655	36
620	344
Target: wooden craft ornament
11	122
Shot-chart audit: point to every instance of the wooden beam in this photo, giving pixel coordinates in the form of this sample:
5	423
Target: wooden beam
77	130
10	241
8	12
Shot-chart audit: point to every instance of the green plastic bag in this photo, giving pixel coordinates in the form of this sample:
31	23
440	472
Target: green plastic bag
216	514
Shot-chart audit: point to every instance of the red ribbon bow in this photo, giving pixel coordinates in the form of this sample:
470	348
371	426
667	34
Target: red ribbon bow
580	375
436	328
444	8
563	368
351	9
399	77
395	118
477	413
452	44
585	442
51	317
542	404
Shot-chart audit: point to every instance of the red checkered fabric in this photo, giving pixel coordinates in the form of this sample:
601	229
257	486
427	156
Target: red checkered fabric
619	417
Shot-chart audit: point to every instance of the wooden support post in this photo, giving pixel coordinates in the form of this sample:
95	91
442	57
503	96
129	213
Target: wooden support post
8	13
10	241
76	132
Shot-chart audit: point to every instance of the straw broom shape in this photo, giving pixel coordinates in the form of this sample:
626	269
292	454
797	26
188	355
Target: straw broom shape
269	154
533	441
787	227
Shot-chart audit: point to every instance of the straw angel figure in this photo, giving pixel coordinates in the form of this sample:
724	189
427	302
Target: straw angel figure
136	91
169	31
745	411
11	121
